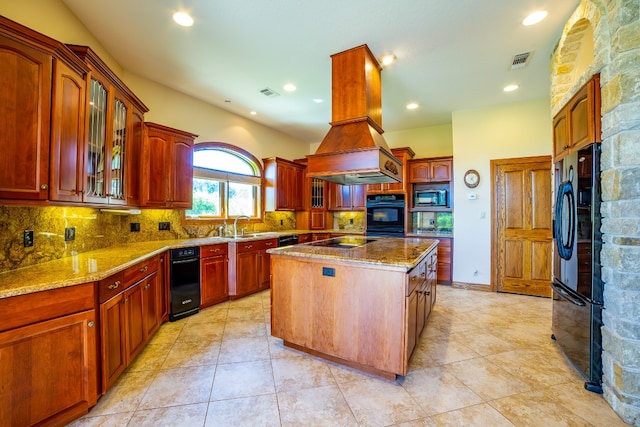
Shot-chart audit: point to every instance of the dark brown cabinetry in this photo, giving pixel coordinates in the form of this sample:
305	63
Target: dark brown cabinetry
283	186
48	349
313	215
403	154
249	269
578	123
345	197
214	287
430	170
42	94
445	249
167	169
131	311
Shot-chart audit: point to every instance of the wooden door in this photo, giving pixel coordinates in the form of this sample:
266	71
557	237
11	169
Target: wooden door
48	371
134	320
522	222
67	134
440	170
154	166
25	90
358	199
181	186
214	280
112	326
150	307
246	273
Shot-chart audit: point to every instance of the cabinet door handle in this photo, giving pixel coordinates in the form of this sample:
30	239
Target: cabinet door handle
143	269
44	186
126	300
424	274
114	285
91	324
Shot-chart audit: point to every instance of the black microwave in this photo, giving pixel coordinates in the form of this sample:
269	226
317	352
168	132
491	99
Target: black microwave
430	198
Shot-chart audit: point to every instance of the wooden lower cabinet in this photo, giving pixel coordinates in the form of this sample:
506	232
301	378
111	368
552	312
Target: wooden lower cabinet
48	356
130	317
250	266
214	287
421	288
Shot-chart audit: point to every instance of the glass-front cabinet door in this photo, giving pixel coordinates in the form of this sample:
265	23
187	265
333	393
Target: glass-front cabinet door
118	151
96	142
106	146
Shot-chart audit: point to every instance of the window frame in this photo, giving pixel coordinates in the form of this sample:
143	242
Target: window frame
224	178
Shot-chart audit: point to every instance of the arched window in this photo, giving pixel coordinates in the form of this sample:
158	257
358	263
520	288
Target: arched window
226	183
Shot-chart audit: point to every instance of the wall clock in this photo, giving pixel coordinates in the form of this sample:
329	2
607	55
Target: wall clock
471	178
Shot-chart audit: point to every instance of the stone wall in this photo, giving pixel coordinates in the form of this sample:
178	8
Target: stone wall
615	27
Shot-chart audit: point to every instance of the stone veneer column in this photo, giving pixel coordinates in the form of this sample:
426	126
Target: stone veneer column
618	60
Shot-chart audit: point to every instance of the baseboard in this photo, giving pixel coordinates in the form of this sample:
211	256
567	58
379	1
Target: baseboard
474	286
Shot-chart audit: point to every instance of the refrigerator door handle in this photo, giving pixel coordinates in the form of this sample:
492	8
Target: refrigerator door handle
566	293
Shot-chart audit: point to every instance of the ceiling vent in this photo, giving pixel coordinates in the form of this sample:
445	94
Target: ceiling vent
269	92
521	60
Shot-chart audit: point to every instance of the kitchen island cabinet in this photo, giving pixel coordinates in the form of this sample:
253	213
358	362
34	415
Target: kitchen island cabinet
48	354
361	301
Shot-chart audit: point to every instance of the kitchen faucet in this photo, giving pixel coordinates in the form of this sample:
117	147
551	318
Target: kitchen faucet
235	225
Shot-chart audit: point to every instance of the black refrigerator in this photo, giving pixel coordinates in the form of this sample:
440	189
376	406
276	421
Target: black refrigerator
577	283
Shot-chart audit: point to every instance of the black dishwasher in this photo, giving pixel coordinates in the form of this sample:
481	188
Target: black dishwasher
184	284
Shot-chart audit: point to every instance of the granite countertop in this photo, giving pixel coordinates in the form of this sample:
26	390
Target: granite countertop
99	264
394	253
430	233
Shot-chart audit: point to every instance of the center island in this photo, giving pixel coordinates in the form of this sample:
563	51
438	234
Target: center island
355	300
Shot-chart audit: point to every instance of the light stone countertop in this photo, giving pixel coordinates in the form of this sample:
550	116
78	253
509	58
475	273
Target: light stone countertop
392	253
99	264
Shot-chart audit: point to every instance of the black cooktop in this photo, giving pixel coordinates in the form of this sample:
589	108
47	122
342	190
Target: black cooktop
345	242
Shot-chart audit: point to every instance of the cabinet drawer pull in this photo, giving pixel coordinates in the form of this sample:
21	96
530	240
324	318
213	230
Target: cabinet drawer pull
269	244
114	285
414	278
248	246
424	274
91	324
143	269
214	250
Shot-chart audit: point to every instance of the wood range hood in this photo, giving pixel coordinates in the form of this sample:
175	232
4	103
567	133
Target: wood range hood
354	151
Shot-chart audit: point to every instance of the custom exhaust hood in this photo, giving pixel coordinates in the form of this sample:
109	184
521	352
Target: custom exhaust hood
354	151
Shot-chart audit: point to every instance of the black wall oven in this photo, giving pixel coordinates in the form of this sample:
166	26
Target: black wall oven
184	285
385	215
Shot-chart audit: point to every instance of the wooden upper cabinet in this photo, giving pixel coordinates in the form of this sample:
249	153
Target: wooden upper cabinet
578	123
430	170
403	154
345	197
283	185
167	167
110	136
31	67
67	134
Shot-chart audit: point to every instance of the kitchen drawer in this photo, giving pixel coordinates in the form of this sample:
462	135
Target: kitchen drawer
417	276
304	238
140	270
213	250
111	286
256	245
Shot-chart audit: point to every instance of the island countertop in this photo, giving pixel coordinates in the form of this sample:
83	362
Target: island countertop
394	253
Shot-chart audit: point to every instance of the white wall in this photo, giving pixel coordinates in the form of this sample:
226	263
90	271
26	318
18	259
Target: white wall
479	136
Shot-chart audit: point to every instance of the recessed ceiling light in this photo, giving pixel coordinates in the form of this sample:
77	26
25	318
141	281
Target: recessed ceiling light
253	113
388	59
535	17
510	88
318	100
183	18
289	87
412	106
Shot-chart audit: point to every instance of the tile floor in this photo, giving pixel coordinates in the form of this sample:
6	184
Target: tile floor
485	359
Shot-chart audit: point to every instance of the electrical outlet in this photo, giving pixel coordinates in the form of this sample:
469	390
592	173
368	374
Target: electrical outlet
27	238
164	226
69	234
282	222
350	220
135	227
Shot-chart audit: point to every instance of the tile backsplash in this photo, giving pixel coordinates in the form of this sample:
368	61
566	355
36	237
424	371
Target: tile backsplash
96	230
